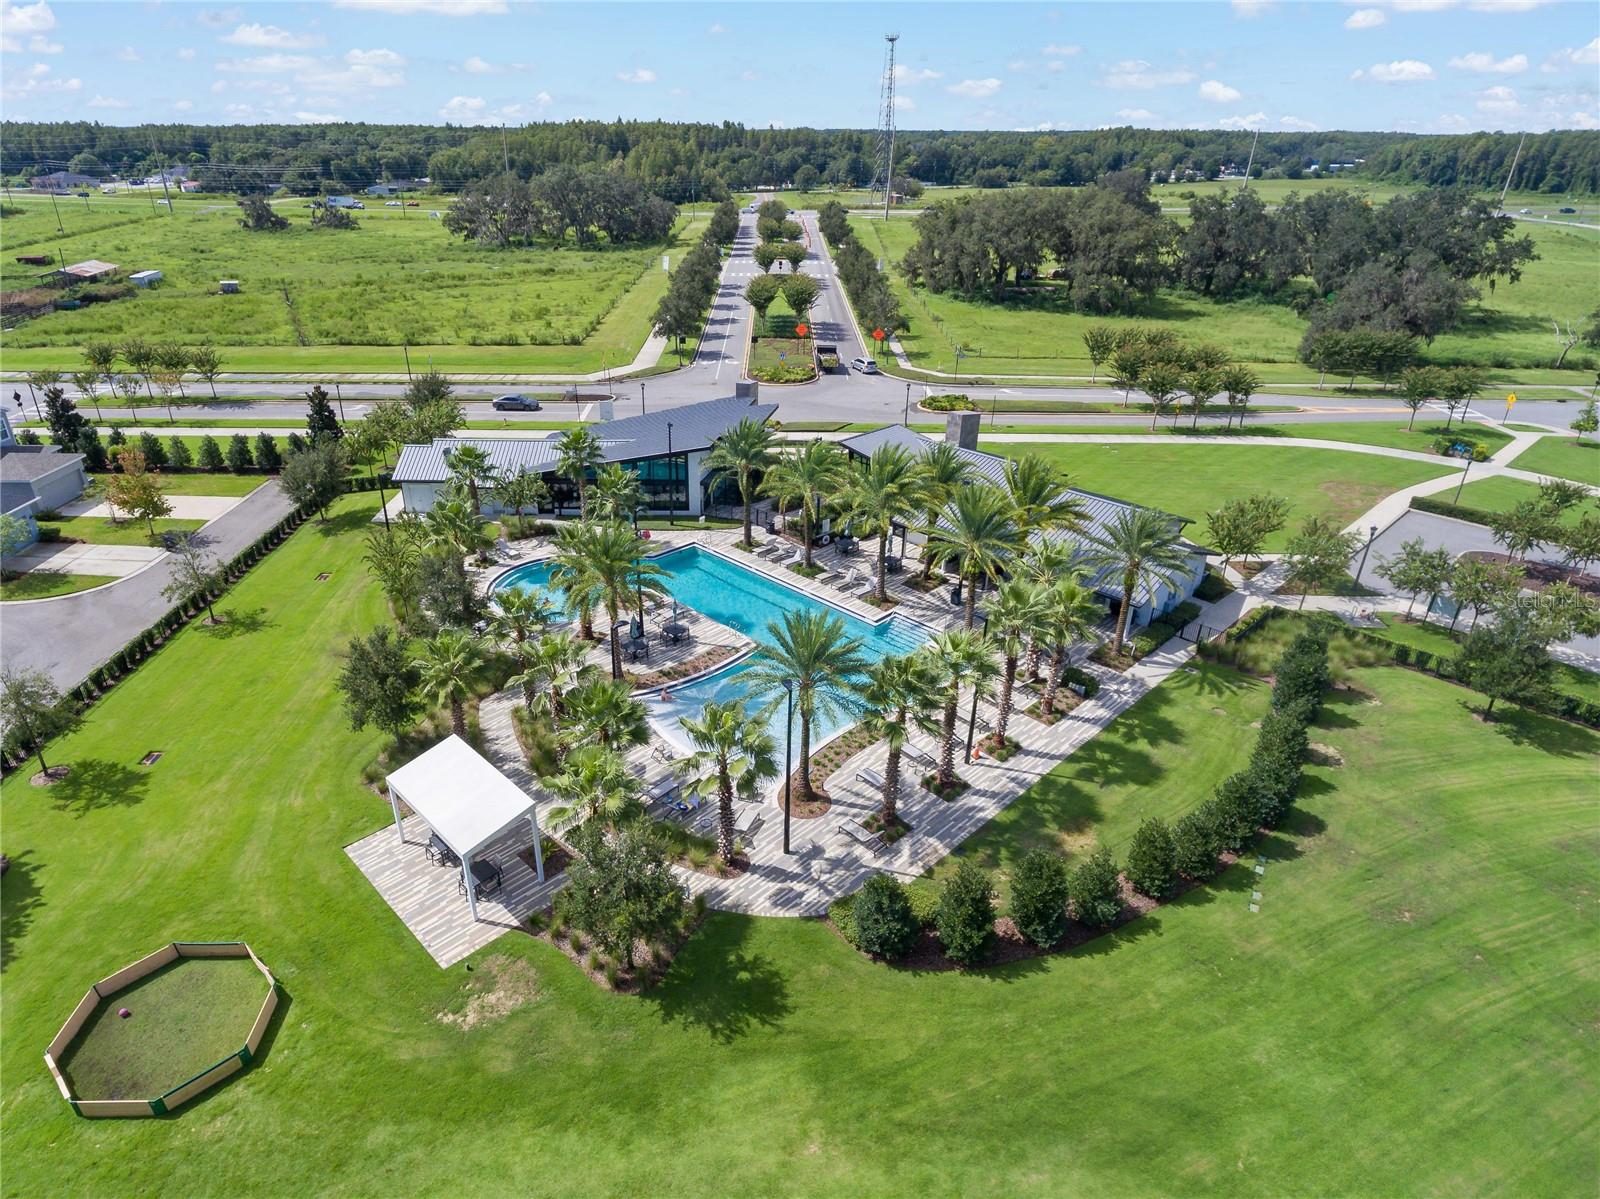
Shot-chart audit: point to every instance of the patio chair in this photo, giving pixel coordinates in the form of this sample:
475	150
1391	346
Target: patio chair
920	756
862	835
852	580
747	817
662	753
664	787
871	778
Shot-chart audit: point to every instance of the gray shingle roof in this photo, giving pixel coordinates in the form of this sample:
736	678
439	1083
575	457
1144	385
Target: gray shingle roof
694	427
18	465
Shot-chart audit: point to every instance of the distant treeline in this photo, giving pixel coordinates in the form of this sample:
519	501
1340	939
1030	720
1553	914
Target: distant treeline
706	161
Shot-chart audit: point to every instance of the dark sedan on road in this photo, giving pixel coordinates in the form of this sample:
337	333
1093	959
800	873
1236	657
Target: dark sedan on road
516	403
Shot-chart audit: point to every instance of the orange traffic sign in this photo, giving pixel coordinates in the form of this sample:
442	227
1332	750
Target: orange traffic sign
877	335
801	329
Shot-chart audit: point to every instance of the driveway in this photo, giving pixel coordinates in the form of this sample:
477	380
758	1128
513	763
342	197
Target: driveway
67	637
81	558
184	507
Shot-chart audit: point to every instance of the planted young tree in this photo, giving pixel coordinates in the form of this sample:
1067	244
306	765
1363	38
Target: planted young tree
87	382
1145	547
900	693
321	420
800	292
1128	367
745	453
965	918
1068	610
811	474
1580	543
137	492
314	477
1317	556
206	363
1162	383
194	575
1194	844
1416	569
63	417
1524	528
794	254
886	925
268	456
1240	528
101	357
32	706
1507	660
1587	422
615	495
578	454
621	889
766	254
1420	386
95	459
596	781
1095	890
393	556
1150	864
961	658
1483	587
519	492
173	359
1016	617
1201	386
1039	897
1101	342
605	712
1239	383
210	457
379	683
240	459
155	454
760	293
179	456
141	359
1040	498
733	754
882	491
978	533
944	471
470	468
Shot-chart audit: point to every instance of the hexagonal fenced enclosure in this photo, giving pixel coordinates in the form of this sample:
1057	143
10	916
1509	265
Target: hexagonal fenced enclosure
149	1038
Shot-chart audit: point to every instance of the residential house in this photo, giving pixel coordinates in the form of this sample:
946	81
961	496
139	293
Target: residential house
36	478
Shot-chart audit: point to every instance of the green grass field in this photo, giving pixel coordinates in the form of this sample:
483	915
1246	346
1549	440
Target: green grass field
102	530
1374	433
1440	641
43	583
1507	332
1423	933
187	1017
1565	457
196	483
1193	480
342	300
1502	494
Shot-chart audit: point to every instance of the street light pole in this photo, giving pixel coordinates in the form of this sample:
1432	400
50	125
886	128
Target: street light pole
1367	549
788	744
905	418
1463	482
972	717
641	399
672	482
339	395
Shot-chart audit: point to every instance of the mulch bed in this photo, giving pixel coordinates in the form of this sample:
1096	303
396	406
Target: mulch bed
556	861
881	605
680	670
43	778
1065	701
649	968
1119	662
890	834
930	782
802	807
1536	576
992	748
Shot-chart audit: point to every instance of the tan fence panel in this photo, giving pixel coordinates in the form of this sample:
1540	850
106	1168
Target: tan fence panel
253	1041
61	1082
209	1079
80	1015
220	949
145	965
114	1107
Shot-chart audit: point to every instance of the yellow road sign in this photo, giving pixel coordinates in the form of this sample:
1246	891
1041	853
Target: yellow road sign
1511	399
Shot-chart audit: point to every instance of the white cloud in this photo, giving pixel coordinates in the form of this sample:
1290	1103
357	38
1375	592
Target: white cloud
975	89
1136	114
186	53
1137	73
1296	123
905	75
239	112
640	75
219	18
717	27
1248	9
1017	64
1055	51
1580	56
39	44
1404	70
1487	64
270	37
1422	5
1501	100
107	102
19	19
1506	5
268	64
1254	121
438	8
1366	18
318	118
464	110
523	112
363	69
905	104
1218	92
183	106
128	54
374	58
1583	120
749	76
36	81
477	66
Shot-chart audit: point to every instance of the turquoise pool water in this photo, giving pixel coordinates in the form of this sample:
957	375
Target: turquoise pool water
747	601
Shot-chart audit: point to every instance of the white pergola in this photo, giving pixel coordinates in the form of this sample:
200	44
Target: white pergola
466	801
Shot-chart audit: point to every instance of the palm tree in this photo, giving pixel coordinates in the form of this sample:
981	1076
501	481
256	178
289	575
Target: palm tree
572	573
596	780
811	651
1016	619
978	532
615	565
811	474
616	494
960	657
469	466
515	618
604	711
452	525
744	451
556	661
577	453
884	489
1046	561
1040	498
1145	546
899	692
1067	611
392	557
733	751
944	471
447	662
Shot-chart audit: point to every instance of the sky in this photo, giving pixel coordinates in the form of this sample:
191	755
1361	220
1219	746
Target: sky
1428	66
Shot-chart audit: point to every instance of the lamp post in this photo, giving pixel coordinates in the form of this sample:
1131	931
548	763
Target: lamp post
339	397
788	744
1366	549
972	716
672	482
641	399
1457	498
905	418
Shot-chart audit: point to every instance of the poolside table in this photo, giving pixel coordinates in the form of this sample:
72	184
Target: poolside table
674	632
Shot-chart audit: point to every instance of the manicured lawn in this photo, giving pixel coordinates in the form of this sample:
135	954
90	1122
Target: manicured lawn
1565	457
1424	933
198	483
1439	640
186	1017
1383	433
102	530
1502	494
41	584
1191	480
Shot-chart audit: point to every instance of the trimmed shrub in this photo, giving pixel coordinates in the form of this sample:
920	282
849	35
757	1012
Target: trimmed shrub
1194	843
1074	675
267	455
155	454
1236	806
885	923
1183	614
178	455
1212	587
842	912
924	900
1095	891
949	403
966	914
1150	858
239	456
1039	897
1477	516
210	456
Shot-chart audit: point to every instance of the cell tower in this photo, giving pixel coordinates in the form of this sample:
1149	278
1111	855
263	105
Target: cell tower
883	169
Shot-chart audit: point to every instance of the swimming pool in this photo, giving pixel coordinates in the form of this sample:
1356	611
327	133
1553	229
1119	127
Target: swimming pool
747	601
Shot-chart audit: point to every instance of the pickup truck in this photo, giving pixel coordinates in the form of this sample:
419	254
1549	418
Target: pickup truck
827	358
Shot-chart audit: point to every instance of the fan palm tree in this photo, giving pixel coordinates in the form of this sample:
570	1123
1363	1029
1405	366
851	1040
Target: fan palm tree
810	475
961	658
744	452
555	662
452	526
1067	612
447	663
577	453
516	617
1047	560
596	781
1040	497
886	488
615	495
469	466
899	692
733	752
604	712
944	471
615	564
1016	620
812	652
572	573
978	532
1144	546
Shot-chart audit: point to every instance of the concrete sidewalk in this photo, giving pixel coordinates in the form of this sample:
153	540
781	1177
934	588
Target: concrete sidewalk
81	558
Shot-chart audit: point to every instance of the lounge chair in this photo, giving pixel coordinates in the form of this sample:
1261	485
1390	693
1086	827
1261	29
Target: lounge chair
862	835
794	559
747	817
505	550
851	580
919	755
871	778
663	788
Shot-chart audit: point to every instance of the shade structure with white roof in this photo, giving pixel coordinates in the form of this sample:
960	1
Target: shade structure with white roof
465	800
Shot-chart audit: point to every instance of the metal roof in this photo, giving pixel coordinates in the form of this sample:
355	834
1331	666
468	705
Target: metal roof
1100	510
694	427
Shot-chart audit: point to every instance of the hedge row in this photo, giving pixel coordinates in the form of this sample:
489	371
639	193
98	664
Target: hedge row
1477	516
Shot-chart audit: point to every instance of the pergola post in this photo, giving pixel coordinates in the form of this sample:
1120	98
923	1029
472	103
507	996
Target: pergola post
472	890
538	851
394	806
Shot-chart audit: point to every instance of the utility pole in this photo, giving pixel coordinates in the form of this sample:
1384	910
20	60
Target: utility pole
505	147
163	173
888	117
1512	171
1251	161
